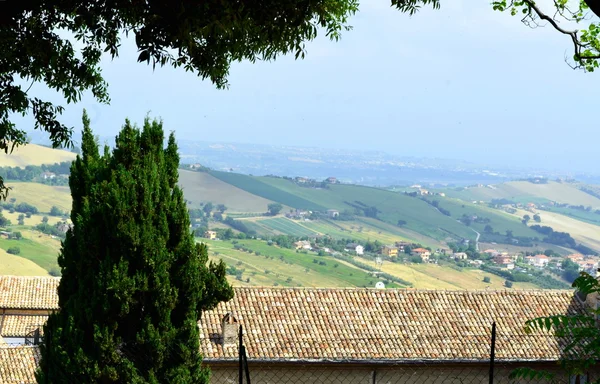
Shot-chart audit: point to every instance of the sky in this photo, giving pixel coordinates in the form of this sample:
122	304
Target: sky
462	82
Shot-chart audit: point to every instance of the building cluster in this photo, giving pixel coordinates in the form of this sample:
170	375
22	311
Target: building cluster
508	261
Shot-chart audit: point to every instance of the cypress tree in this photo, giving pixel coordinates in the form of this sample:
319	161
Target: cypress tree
134	282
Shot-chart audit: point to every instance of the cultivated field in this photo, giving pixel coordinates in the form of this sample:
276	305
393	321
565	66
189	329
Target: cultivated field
31	221
40	195
32	154
522	191
202	187
586	233
430	276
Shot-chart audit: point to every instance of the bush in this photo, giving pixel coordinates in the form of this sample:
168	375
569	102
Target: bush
508	284
54	271
14	250
24	208
487	279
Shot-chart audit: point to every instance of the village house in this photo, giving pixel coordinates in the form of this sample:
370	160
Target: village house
333	213
540	261
319	334
297	214
491	252
421	252
303	244
331	180
302	180
211	235
389	250
359	249
575	257
401	244
505	261
460	256
590	265
47	175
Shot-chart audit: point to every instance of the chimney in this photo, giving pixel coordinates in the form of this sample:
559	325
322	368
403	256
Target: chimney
229	330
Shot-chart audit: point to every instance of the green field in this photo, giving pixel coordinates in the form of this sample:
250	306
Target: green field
524	191
40	250
202	187
277	265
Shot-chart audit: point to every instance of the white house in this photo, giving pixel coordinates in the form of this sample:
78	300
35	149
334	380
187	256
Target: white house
359	249
540	261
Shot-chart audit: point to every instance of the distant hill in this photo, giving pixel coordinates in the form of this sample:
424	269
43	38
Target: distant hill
525	191
33	154
433	221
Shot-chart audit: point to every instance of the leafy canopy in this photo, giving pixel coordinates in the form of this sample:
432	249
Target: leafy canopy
580	335
204	37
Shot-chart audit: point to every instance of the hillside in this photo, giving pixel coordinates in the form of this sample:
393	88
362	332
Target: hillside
265	265
32	154
525	191
420	217
203	187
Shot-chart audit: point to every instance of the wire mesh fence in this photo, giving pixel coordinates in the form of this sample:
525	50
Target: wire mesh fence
289	371
265	370
413	373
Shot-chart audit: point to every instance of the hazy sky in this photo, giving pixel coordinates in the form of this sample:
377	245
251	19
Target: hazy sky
462	82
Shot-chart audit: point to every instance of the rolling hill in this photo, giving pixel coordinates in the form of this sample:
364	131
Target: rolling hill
32	154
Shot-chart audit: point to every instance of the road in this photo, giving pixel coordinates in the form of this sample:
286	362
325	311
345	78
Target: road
477	239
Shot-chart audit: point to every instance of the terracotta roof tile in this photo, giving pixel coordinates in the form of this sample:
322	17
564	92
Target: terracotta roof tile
21	325
31	292
18	364
367	324
391	324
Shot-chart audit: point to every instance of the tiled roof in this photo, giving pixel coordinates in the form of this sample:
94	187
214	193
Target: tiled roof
21	325
31	292
368	324
18	364
390	324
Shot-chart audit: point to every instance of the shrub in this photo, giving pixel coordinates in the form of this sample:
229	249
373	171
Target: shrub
508	284
487	279
14	250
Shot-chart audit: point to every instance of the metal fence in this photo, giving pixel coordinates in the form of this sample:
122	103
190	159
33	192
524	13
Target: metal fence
245	371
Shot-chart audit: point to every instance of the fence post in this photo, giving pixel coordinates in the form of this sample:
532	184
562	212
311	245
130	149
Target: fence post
241	369
246	369
493	352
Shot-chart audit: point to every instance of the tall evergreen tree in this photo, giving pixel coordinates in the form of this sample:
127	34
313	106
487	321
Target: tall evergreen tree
134	282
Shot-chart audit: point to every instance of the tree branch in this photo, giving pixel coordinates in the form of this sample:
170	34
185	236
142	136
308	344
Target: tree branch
573	34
